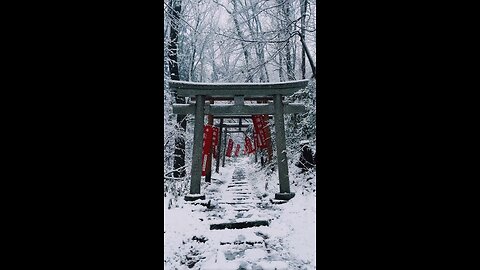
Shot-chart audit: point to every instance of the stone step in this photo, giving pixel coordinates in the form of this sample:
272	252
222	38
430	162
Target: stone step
242	209
275	201
227	202
252	200
243	205
200	202
240	264
238	185
236	191
236	197
242	242
239	225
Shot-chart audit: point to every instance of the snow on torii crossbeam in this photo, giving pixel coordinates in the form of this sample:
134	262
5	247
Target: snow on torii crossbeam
238	91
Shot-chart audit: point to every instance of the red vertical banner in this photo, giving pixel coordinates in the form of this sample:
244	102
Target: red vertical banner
256	122
229	148
207	143
260	129
254	147
237	150
215	141
266	128
248	146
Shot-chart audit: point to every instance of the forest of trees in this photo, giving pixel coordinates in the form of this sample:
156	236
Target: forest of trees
236	41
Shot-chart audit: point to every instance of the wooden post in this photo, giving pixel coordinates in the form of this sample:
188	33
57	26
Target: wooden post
281	151
219	147
208	169
224	149
196	173
269	140
256	150
240	129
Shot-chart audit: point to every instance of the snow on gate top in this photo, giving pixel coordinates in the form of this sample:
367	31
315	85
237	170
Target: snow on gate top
183	88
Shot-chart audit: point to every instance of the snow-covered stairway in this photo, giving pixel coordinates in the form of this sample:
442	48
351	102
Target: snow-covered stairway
238	200
239	229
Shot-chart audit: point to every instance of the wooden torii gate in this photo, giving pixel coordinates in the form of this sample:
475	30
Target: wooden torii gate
239	92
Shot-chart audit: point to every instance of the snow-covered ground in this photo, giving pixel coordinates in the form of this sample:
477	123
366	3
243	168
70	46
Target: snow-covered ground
289	242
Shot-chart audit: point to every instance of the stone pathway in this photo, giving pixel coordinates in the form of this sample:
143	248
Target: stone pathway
239	195
241	236
238	226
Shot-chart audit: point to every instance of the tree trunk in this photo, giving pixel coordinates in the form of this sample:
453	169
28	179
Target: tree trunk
288	46
179	154
280	64
303	11
244	47
310	59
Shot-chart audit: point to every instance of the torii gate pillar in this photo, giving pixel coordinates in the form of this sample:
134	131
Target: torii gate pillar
196	174
280	140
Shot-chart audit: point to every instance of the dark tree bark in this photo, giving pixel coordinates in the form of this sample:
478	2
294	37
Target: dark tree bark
280	64
288	56
286	29
310	59
179	154
244	46
303	11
